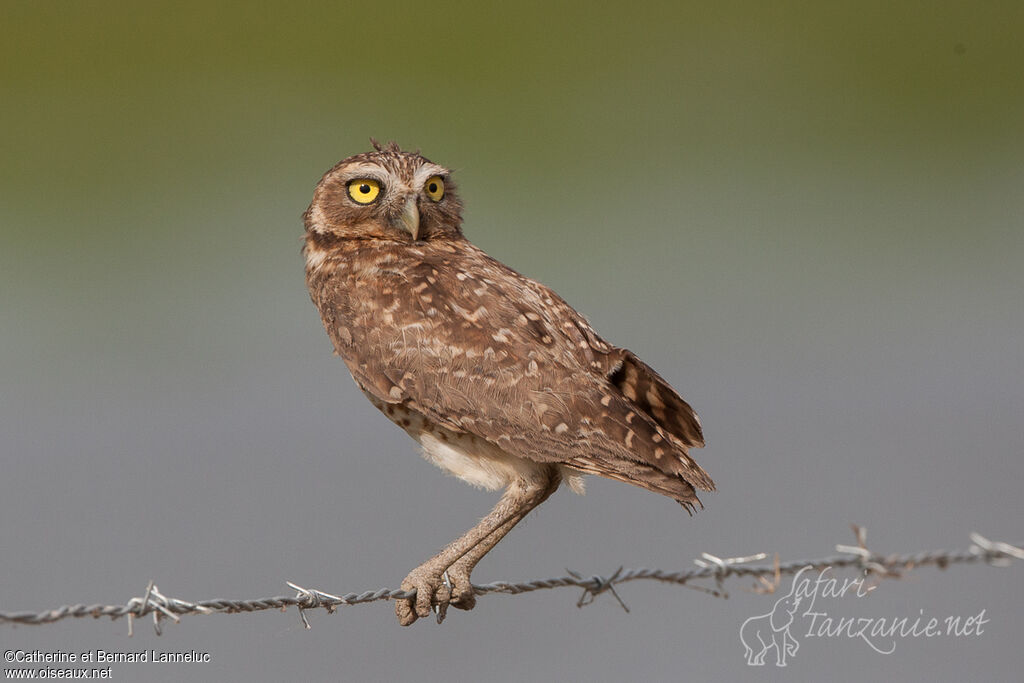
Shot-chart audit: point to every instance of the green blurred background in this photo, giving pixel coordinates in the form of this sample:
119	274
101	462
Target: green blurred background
808	216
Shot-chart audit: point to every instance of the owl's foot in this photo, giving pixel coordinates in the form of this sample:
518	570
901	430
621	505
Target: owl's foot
434	589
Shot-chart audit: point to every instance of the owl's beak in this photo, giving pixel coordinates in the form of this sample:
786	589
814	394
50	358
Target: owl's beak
411	217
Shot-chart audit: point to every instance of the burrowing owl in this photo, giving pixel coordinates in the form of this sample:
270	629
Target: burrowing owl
501	382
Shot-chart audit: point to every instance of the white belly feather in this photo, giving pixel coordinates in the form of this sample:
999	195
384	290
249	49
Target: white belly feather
468	457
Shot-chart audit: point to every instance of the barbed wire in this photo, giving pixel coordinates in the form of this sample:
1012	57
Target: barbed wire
709	566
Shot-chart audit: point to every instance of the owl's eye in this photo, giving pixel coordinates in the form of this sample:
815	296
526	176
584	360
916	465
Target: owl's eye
435	188
363	190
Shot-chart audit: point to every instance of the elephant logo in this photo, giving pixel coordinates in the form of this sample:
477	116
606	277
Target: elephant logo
766	631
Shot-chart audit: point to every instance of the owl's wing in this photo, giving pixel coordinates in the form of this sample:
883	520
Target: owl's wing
650	393
478	348
664	426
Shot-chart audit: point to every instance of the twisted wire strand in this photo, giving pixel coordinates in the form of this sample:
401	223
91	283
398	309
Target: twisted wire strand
709	567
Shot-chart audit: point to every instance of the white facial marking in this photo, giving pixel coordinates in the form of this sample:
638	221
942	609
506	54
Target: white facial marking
425	173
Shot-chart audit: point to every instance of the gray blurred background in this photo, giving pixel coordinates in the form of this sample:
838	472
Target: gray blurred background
809	219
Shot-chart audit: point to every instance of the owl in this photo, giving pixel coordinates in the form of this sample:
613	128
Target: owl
500	381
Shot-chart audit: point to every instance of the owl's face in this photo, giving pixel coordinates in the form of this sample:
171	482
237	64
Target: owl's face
387	194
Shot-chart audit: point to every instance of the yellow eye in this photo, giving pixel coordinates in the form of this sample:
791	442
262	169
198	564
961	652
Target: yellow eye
435	188
363	190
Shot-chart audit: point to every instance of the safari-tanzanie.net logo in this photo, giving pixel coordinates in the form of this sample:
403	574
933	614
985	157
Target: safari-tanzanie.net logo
804	614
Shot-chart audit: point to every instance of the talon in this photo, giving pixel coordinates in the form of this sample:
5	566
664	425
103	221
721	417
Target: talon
442	598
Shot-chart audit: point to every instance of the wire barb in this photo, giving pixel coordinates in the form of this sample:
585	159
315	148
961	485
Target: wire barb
722	568
598	585
996	553
714	567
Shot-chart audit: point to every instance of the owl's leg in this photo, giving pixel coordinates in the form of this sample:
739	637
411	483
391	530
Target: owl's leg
462	595
520	497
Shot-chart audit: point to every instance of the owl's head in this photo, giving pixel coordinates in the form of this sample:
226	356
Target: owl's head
385	194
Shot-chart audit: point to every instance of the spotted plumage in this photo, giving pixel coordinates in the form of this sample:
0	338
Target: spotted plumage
502	382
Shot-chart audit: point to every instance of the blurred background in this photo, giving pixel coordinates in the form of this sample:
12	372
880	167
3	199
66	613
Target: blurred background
808	218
